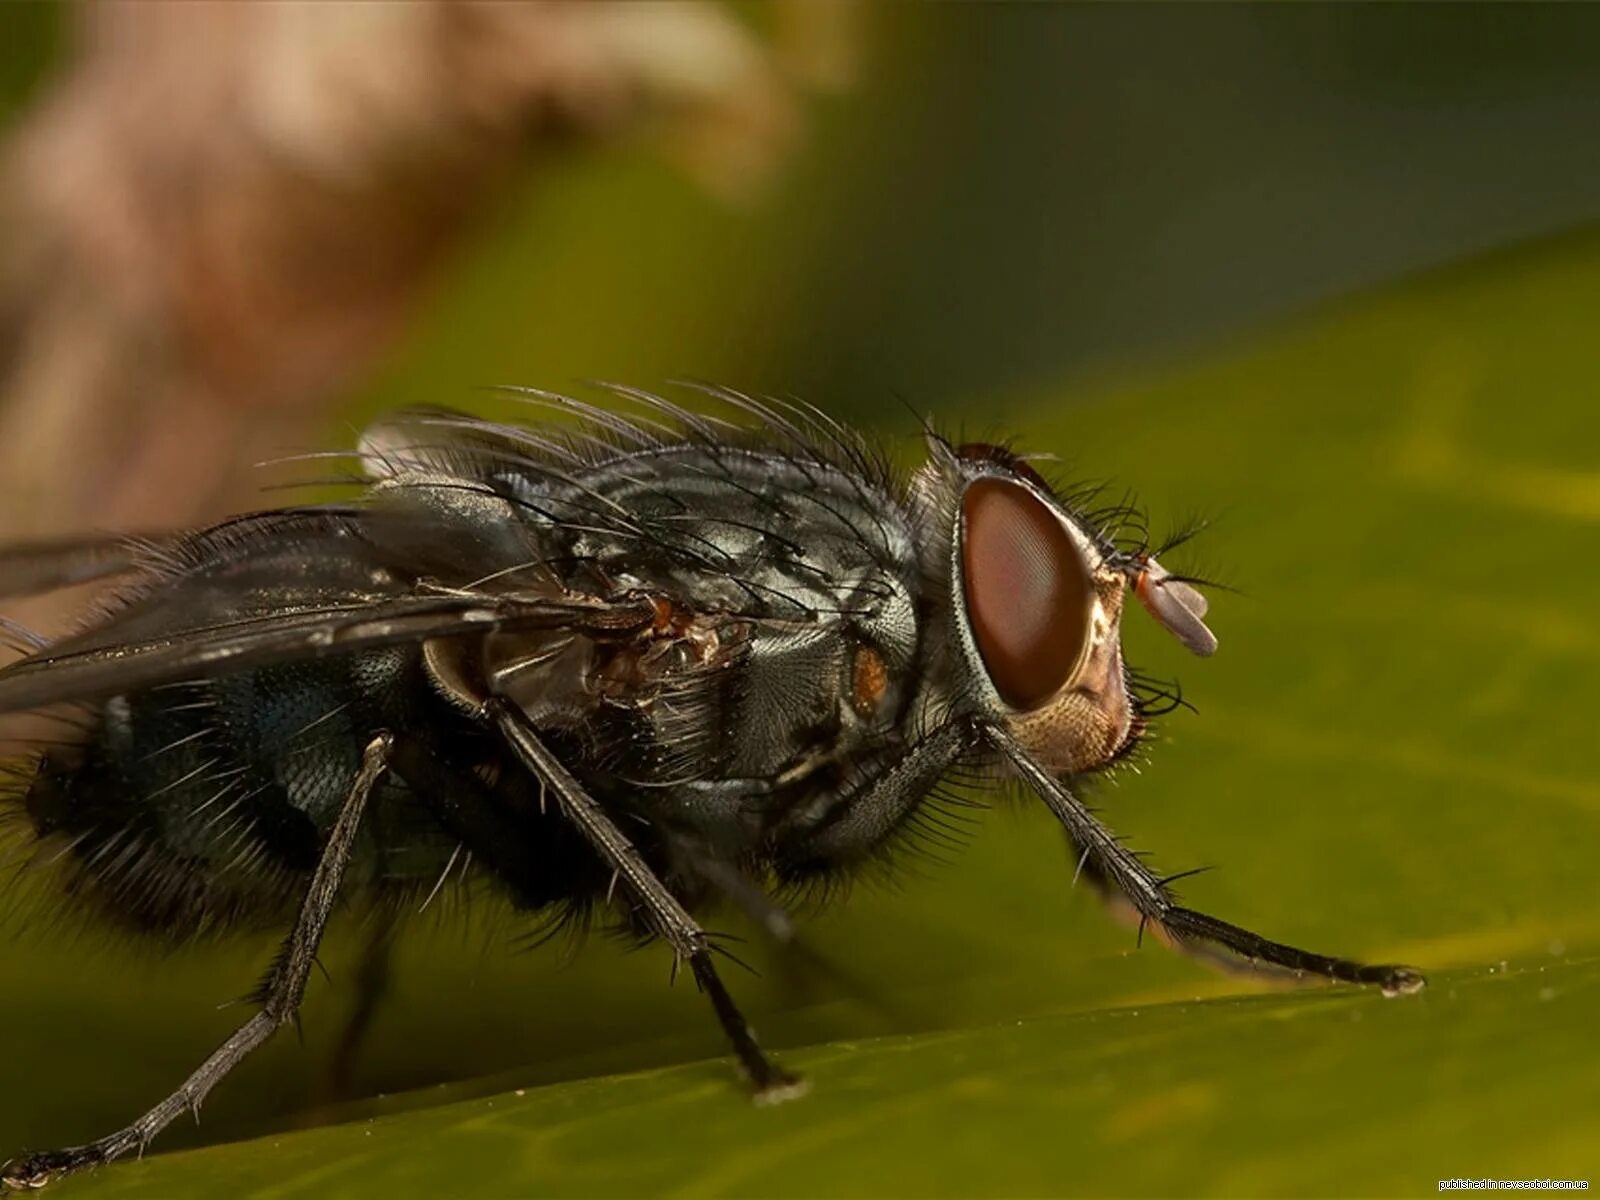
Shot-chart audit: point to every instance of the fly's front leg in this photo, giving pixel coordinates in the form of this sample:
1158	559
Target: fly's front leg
279	996
688	941
1120	870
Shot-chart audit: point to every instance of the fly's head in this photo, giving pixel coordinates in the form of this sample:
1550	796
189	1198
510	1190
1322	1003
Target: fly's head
1036	595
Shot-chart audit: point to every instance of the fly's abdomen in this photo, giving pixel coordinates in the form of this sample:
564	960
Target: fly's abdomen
206	804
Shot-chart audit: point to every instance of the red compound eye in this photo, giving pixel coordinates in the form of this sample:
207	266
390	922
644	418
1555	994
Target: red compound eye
1028	593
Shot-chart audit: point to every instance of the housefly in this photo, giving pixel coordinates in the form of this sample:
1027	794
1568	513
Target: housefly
631	665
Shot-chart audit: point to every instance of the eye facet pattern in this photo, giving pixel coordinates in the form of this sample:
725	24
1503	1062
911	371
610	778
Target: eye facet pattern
1027	590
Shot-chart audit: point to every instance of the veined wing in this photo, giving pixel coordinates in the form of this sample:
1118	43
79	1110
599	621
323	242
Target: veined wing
277	588
61	673
33	568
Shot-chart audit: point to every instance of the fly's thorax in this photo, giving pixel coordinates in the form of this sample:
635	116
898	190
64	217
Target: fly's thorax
789	631
1031	636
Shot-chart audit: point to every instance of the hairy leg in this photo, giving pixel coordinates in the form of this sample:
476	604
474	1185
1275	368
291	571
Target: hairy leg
1118	871
687	939
280	995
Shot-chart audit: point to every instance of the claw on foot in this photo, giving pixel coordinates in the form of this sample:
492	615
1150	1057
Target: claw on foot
1403	981
780	1089
31	1173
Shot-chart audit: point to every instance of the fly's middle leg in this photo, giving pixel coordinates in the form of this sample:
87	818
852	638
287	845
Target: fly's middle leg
687	939
279	995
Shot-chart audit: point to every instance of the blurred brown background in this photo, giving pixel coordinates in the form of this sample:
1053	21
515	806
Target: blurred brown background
227	227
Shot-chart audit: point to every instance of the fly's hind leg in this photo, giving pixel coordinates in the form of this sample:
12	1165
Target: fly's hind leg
279	996
681	931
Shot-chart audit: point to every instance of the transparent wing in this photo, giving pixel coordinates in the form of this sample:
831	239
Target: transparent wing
61	673
275	588
33	568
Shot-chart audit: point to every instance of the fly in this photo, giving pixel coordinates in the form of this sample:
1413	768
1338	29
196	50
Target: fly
634	666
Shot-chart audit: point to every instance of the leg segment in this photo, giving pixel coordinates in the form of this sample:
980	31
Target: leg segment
1121	872
280	995
688	941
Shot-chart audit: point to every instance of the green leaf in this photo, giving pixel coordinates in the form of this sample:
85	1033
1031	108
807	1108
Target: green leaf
1331	1094
1392	759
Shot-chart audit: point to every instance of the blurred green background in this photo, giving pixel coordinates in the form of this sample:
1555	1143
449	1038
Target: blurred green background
1324	272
